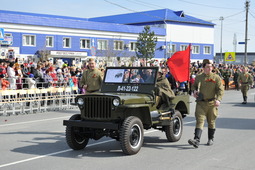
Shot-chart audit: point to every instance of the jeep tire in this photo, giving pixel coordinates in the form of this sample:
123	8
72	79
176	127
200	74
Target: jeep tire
174	130
131	136
74	137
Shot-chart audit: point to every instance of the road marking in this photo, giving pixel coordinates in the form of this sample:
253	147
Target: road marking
189	122
67	150
34	158
35	121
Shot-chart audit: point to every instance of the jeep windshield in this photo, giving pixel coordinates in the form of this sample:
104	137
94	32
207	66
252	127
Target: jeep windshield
129	79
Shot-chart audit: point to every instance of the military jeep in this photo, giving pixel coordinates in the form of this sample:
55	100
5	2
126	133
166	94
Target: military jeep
125	106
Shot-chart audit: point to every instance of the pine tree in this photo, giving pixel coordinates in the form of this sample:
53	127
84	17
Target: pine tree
146	43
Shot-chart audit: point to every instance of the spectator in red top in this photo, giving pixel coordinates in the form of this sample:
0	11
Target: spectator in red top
4	83
53	74
75	81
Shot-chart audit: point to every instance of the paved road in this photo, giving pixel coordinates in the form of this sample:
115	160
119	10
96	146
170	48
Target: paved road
37	141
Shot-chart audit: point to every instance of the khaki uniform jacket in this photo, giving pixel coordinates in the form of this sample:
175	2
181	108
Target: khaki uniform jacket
93	79
209	86
226	74
245	79
164	87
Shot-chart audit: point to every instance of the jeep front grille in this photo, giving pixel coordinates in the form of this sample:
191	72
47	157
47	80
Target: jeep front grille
98	107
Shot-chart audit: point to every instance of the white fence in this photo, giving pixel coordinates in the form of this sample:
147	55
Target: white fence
24	101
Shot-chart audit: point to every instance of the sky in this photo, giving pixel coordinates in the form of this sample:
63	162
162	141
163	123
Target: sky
233	12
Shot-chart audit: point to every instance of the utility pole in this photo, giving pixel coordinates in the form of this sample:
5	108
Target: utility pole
221	58
247	4
234	42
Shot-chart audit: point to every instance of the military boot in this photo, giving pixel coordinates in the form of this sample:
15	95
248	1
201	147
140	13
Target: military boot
195	142
244	99
210	136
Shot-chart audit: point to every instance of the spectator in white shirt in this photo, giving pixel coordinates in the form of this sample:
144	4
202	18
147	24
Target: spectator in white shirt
31	82
11	76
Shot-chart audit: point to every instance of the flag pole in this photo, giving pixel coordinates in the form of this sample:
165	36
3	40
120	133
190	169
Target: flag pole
189	62
188	82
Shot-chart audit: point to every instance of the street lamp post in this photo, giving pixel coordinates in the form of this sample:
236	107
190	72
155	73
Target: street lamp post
221	19
247	4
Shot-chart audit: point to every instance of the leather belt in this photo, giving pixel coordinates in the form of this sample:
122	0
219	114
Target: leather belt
208	100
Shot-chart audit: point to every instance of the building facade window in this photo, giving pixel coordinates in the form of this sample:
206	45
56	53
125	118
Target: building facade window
118	45
102	44
172	48
85	43
29	40
66	42
207	50
7	34
49	41
195	49
183	47
132	46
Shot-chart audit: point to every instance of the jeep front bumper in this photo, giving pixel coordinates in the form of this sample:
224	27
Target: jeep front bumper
91	124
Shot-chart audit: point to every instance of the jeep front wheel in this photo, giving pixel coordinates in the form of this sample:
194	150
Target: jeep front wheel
131	136
174	130
74	137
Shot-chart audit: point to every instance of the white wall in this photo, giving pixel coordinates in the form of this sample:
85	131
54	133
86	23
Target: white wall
190	34
70	31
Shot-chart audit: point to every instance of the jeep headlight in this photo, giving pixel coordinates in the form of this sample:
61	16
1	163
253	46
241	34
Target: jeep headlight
80	101
116	102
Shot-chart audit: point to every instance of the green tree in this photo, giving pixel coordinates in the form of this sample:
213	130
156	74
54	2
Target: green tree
146	43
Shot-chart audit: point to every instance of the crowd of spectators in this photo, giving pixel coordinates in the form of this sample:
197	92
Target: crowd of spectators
44	74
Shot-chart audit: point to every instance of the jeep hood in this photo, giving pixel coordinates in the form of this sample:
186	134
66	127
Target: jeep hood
130	98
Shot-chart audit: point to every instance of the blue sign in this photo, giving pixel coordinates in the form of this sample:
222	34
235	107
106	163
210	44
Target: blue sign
7	40
1	34
241	42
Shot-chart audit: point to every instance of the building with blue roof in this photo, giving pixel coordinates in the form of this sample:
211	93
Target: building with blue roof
155	16
181	30
29	36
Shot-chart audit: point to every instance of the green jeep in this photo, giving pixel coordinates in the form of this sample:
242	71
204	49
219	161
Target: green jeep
125	106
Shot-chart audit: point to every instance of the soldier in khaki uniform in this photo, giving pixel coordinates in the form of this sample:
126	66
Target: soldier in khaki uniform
164	93
208	91
246	80
226	74
91	79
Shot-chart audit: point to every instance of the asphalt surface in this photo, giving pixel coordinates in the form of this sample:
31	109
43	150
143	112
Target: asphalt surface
37	141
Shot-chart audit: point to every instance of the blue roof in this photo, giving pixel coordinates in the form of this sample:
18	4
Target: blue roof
69	22
161	15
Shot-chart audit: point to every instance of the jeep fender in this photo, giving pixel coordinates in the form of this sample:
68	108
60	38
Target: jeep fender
141	111
182	104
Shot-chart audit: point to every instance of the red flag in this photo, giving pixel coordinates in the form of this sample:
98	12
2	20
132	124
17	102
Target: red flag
179	65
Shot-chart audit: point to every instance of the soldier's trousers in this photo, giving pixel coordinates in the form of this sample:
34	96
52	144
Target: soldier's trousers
244	89
206	110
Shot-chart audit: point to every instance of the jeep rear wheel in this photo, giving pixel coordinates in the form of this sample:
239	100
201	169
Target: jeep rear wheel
174	130
74	137
131	137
